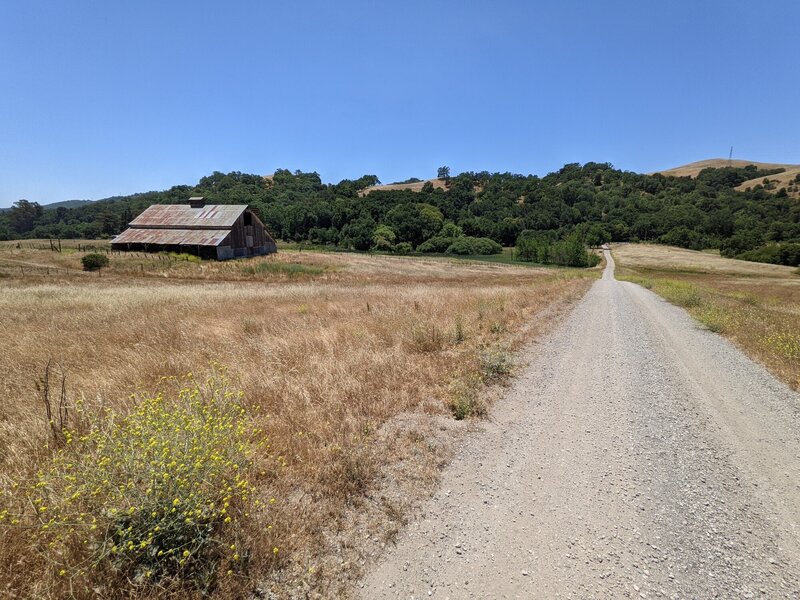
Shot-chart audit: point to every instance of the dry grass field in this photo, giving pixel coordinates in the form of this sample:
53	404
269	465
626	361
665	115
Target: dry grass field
757	306
354	367
670	258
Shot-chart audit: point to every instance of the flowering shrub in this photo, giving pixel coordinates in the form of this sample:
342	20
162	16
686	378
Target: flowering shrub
154	495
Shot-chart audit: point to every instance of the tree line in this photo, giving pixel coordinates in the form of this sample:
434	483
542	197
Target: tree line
478	212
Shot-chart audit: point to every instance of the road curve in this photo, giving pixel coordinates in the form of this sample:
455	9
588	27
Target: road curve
636	456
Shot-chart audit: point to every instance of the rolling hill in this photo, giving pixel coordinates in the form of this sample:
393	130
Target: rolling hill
415	186
66	204
777	181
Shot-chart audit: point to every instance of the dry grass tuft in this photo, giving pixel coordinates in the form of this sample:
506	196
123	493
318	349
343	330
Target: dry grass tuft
348	364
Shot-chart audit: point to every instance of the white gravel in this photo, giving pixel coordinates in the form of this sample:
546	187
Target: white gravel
636	456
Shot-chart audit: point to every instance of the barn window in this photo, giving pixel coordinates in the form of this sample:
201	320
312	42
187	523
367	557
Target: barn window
248	218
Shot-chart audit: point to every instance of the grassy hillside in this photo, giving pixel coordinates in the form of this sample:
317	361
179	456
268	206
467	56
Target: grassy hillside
789	178
415	186
693	169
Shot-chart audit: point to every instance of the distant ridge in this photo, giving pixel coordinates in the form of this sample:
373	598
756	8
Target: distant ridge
66	204
781	180
693	169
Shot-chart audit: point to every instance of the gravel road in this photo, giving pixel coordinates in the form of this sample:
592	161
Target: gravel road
636	456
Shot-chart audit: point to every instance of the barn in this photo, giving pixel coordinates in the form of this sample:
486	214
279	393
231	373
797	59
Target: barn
219	231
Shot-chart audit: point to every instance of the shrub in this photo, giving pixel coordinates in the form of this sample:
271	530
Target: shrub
496	363
779	254
532	250
403	248
94	261
570	252
468	246
465	399
450	230
152	496
435	244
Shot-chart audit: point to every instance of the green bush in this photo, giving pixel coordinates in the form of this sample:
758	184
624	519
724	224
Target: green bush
403	248
435	244
94	261
473	246
569	252
779	254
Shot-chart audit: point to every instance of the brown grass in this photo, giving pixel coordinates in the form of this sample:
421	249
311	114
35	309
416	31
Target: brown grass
693	169
756	306
669	258
414	187
353	364
777	181
780	180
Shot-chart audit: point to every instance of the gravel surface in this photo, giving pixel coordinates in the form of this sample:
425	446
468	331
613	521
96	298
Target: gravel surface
637	455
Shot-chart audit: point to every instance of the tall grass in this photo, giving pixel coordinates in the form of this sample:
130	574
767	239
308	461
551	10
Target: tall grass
350	374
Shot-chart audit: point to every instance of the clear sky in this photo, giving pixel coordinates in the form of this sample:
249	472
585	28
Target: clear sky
105	98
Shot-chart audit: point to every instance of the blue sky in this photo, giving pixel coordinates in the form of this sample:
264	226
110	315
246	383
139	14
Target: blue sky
106	98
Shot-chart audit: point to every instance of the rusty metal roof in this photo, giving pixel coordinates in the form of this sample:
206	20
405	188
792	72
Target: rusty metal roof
172	237
183	216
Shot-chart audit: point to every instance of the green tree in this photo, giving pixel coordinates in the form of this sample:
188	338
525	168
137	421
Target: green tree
450	230
415	223
23	215
383	238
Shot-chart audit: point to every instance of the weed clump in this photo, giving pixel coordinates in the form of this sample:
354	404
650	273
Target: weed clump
681	293
465	398
287	269
153	496
496	363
